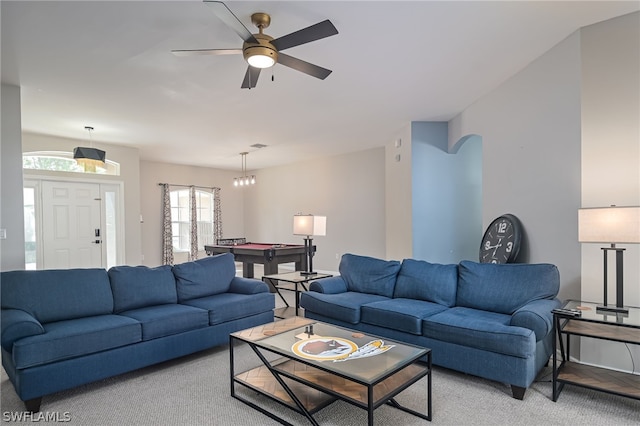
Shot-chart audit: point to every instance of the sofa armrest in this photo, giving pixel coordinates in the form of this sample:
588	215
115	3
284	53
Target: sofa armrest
329	285
536	316
17	324
247	286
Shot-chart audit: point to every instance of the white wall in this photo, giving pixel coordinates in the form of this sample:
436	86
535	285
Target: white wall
153	173
611	161
398	192
11	202
129	174
530	129
348	189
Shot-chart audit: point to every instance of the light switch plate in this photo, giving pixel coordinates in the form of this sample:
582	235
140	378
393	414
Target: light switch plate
3	234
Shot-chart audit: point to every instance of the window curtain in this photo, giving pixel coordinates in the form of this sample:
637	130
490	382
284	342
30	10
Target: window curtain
217	215
193	225
167	235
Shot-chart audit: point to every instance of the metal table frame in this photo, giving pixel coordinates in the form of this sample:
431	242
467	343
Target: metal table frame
298	280
286	379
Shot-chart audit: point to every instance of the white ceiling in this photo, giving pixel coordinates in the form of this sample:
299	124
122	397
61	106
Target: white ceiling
108	65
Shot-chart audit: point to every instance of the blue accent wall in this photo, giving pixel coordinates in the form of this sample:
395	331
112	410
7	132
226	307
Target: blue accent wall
447	195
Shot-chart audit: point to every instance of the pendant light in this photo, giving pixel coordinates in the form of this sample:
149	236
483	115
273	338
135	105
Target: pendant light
244	180
89	157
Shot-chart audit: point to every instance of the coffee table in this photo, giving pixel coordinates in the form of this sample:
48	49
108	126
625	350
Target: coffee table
319	363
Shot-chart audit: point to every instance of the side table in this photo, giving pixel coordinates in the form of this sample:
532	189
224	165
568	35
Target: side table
291	281
592	323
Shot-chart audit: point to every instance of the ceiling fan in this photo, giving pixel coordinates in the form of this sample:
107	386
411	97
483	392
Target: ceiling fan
263	51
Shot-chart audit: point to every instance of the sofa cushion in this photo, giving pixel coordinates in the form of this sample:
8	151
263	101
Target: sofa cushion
231	306
432	282
369	275
400	314
165	320
57	294
483	330
204	277
504	288
341	306
139	286
74	338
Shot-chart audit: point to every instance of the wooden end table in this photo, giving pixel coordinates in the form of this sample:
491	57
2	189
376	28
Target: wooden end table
595	324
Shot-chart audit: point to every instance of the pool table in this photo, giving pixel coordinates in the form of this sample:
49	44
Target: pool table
270	255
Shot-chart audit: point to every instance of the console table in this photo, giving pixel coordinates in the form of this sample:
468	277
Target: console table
591	323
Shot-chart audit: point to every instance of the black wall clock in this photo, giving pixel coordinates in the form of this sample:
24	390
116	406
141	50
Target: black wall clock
501	240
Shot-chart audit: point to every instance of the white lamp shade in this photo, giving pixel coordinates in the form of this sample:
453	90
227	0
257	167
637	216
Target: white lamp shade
609	225
308	224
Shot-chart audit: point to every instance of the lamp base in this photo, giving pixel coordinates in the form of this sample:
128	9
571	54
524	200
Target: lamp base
610	309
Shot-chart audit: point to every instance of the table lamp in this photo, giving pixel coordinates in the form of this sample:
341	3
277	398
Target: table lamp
309	226
613	225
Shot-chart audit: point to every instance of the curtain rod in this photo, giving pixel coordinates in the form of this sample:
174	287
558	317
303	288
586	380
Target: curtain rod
189	186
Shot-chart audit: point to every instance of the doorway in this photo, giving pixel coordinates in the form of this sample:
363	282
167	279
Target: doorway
73	224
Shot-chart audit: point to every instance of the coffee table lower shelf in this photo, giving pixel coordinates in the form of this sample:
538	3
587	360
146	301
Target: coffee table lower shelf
304	379
262	381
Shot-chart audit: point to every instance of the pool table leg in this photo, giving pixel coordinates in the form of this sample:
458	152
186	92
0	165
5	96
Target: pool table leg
270	268
247	270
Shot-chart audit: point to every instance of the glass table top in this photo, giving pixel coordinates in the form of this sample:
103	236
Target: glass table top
589	312
352	354
297	276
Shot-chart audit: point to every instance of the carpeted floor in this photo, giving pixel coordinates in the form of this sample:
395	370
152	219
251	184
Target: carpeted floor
195	390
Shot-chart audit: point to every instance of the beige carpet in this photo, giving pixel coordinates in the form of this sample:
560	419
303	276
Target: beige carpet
195	390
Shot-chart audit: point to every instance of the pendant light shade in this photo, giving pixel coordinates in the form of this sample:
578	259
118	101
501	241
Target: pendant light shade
89	157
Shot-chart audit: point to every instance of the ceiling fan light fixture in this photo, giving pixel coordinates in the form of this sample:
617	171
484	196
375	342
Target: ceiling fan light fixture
261	61
260	56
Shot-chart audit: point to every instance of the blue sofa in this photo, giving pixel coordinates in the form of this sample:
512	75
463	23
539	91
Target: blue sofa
65	328
492	321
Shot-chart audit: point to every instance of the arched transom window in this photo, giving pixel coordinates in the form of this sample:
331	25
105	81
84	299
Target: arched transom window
60	161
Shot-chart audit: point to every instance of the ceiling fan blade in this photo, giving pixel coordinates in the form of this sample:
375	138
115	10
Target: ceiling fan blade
226	15
314	32
194	52
302	66
250	78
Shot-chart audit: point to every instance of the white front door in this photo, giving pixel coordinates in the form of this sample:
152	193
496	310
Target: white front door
71	232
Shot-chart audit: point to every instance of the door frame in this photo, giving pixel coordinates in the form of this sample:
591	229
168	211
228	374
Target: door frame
34	180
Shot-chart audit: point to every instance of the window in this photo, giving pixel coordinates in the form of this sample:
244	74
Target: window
59	161
181	219
30	251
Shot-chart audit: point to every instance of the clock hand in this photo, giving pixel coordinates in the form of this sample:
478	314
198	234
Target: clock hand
496	247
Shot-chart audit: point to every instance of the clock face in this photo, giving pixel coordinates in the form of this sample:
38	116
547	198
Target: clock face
501	241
